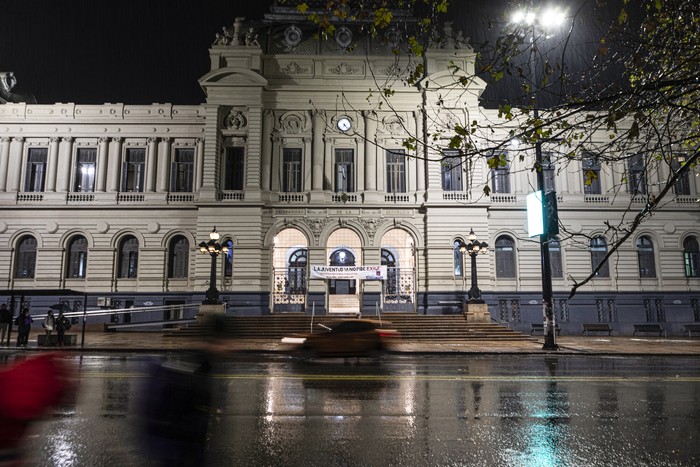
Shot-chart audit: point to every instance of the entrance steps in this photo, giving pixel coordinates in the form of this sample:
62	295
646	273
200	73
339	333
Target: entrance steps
411	327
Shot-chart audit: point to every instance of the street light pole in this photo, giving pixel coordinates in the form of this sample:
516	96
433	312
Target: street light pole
474	248
213	248
548	18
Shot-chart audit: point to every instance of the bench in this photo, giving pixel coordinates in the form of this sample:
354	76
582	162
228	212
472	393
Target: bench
691	328
539	327
596	327
68	339
646	328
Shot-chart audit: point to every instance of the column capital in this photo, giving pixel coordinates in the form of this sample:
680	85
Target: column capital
68	139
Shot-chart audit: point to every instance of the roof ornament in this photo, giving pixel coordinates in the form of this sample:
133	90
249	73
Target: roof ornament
292	37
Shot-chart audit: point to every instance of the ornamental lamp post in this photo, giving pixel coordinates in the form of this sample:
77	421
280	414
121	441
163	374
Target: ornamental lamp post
214	249
533	21
473	249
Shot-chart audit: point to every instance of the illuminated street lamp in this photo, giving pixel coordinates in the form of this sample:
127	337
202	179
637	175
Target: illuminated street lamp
533	21
474	248
214	249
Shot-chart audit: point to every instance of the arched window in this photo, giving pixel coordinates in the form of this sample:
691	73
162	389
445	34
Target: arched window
77	258
645	254
505	257
555	262
691	256
228	259
178	258
392	281
458	264
342	257
25	263
128	258
599	248
296	277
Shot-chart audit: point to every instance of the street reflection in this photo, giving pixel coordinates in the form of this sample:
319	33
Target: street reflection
538	411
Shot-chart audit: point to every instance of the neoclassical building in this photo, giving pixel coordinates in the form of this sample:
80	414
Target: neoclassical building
297	165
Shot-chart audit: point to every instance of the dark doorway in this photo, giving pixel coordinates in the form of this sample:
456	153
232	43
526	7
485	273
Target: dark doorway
342	257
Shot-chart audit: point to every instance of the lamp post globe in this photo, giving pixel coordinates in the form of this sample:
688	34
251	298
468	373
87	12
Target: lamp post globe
214	249
473	249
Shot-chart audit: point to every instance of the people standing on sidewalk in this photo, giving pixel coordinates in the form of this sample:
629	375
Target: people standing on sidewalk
24	325
62	325
5	321
49	324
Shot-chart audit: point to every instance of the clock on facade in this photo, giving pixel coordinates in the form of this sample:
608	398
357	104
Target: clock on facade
344	124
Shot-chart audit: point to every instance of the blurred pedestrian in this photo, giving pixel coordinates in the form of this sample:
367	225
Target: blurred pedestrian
62	325
49	324
29	390
178	399
24	325
5	322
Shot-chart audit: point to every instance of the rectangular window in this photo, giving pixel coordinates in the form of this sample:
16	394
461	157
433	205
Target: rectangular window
291	170
682	185
182	171
134	170
234	164
396	171
591	176
637	175
500	179
452	168
344	171
35	177
85	163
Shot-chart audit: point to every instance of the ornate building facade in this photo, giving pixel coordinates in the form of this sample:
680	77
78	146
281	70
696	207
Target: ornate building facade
295	166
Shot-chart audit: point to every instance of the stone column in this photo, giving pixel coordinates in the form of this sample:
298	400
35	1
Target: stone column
14	171
420	153
370	150
114	166
266	155
5	143
64	165
151	164
163	164
199	177
318	151
52	166
102	161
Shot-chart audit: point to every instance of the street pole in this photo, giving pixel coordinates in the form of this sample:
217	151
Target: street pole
212	297
547	309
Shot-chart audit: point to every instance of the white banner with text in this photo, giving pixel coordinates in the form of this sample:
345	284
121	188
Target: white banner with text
368	273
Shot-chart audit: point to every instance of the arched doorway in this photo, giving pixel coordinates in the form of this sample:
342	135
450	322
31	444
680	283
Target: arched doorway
398	255
290	261
344	249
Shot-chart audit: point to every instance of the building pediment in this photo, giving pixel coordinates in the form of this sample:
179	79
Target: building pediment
232	77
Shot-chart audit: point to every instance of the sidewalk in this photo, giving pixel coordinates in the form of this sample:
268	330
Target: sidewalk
129	341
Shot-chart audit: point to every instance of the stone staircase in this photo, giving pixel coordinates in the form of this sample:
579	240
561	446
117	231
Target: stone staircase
411	327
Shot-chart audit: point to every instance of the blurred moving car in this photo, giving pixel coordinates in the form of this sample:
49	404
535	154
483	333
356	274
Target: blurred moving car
346	338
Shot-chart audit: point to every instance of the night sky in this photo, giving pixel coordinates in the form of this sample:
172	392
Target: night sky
129	51
146	51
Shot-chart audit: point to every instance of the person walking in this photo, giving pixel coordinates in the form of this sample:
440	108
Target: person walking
5	322
49	324
62	325
24	325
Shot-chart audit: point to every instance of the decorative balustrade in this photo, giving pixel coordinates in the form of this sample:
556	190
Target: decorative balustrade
394	198
596	199
80	197
230	196
180	198
292	197
455	196
504	198
30	197
130	198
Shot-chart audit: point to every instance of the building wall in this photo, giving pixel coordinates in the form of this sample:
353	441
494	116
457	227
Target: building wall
265	103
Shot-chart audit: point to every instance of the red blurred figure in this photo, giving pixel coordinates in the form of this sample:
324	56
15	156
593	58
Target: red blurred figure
29	390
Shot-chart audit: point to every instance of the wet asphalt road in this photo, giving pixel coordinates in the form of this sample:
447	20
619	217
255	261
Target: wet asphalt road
438	410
